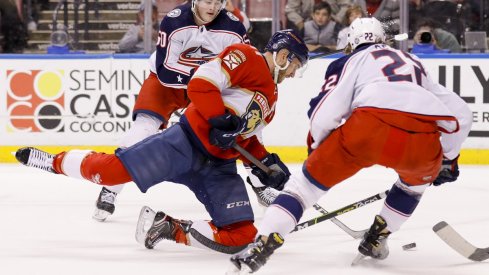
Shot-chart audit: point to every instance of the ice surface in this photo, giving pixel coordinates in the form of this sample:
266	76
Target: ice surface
46	228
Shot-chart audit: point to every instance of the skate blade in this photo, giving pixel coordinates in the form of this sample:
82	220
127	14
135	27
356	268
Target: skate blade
358	259
146	218
100	215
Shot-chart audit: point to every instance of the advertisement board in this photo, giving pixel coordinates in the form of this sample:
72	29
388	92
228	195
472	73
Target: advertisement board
74	100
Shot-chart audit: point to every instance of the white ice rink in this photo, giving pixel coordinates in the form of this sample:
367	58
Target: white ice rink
46	228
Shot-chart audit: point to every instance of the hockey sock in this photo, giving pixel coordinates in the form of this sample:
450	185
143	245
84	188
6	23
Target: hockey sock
104	169
235	234
400	204
96	167
281	216
144	126
69	162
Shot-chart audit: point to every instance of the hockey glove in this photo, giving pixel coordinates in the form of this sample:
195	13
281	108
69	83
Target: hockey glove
448	173
279	175
225	129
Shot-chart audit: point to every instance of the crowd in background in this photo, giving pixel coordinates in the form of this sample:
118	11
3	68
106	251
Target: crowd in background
323	23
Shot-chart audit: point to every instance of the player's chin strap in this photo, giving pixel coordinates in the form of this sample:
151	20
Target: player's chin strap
278	68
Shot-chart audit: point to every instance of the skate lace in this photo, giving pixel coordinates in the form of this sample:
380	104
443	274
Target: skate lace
108	197
41	160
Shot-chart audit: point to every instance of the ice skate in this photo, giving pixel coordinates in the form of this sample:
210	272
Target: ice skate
105	205
374	243
265	195
162	227
36	158
256	254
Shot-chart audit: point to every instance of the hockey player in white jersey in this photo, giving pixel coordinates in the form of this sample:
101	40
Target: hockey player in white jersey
394	115
189	35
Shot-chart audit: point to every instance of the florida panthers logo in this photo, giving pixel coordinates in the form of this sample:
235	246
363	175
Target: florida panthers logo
196	56
255	113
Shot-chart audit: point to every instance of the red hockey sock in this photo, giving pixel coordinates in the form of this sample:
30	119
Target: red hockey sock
104	169
58	159
235	234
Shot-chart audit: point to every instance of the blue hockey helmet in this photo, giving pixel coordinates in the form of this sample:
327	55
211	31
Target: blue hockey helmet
290	40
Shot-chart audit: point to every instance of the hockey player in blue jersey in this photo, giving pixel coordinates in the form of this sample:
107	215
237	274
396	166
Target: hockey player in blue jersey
189	35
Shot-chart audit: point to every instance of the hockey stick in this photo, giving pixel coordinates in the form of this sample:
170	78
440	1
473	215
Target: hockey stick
459	244
341	211
355	234
147	216
397	37
266	169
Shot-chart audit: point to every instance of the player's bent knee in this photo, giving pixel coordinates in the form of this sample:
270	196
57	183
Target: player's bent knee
235	234
302	189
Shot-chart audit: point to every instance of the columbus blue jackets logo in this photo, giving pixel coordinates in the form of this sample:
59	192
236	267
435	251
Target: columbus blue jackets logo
174	13
196	56
255	113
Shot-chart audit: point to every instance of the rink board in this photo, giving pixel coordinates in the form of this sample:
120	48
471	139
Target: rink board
89	100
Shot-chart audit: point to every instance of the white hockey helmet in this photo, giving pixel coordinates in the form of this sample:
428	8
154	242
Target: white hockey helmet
365	30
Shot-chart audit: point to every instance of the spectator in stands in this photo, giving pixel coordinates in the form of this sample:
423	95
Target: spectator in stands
427	44
351	14
441	38
386	11
33	10
239	14
12	27
299	11
449	14
133	40
321	32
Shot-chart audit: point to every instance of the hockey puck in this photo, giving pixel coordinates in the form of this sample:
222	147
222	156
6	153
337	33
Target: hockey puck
409	246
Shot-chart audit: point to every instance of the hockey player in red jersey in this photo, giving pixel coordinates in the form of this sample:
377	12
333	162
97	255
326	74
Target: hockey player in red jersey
233	97
378	105
189	36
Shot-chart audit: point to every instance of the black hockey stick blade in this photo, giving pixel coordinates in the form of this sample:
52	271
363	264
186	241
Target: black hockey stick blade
340	211
226	249
458	243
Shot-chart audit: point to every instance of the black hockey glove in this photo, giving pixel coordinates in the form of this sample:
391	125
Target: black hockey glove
280	173
448	173
225	129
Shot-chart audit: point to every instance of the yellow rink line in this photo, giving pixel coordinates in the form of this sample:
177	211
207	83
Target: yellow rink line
290	154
